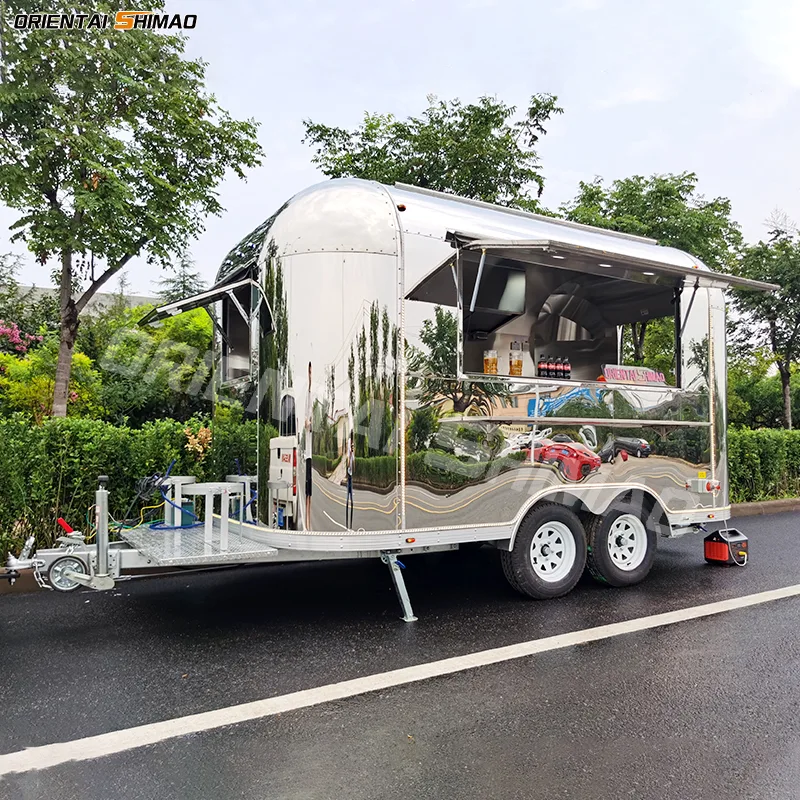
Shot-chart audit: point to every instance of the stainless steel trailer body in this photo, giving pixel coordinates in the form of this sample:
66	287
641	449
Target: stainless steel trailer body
355	321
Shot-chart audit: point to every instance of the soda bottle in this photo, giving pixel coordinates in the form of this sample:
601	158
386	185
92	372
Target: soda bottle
559	369
551	367
540	367
567	369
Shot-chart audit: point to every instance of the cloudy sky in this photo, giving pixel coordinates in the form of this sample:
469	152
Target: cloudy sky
711	86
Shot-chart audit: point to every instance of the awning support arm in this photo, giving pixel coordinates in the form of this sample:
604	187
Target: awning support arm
689	308
477	282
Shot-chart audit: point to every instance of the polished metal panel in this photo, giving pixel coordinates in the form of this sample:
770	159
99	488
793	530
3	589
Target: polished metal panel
342	320
719	393
350	277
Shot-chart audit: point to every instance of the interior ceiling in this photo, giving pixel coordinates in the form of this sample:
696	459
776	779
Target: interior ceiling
609	297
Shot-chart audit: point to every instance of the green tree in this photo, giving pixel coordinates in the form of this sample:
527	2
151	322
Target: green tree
437	363
754	396
422	428
150	373
772	319
34	313
474	150
110	147
667	208
183	282
26	383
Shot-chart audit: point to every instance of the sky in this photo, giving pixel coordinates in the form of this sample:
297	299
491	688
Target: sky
647	87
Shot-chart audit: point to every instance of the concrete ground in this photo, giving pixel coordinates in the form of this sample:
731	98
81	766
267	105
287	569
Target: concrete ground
706	708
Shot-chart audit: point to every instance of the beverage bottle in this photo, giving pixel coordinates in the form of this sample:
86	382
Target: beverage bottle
567	369
551	367
540	367
559	369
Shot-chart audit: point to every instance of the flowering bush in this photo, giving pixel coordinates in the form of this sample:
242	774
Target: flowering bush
198	442
13	340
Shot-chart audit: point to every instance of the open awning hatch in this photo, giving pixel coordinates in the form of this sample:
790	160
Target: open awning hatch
437	285
259	306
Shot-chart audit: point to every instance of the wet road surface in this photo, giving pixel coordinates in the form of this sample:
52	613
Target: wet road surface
705	708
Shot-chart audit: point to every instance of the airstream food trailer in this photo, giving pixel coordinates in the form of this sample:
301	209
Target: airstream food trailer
442	371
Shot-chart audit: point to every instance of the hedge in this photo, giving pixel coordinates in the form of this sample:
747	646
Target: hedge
763	464
51	470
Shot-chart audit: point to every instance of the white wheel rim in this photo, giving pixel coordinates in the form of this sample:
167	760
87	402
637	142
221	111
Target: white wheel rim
627	542
552	552
57	576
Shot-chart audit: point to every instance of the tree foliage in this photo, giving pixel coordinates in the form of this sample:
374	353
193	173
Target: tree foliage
475	150
181	282
34	315
772	319
109	146
437	362
669	209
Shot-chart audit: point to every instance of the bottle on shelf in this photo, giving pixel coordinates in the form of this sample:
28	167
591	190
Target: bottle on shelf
559	369
551	367
541	367
567	369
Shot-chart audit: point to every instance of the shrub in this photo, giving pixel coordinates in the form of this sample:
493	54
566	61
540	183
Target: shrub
377	471
50	470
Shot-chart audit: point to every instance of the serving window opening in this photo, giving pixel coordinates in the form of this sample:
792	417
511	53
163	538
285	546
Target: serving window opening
548	314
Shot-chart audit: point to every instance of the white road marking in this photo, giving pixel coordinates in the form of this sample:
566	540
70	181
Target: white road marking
343	527
106	744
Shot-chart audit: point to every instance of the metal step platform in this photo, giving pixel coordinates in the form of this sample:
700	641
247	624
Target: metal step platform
191	546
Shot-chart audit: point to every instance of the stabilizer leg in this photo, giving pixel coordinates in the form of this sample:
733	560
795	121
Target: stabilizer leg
396	568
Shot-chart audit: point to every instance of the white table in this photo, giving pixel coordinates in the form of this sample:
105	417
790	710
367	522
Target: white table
249	482
174	490
226	490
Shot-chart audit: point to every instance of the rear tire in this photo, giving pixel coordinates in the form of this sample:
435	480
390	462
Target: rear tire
549	553
621	545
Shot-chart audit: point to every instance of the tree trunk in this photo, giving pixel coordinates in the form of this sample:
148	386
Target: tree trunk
787	395
68	334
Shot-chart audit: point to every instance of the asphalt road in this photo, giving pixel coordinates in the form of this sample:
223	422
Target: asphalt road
700	709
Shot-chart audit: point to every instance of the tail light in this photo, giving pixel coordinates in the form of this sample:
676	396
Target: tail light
294	471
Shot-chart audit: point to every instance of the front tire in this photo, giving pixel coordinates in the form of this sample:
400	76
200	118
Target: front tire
56	577
621	546
549	553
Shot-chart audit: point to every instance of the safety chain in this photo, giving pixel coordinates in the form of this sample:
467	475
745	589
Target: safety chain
37	564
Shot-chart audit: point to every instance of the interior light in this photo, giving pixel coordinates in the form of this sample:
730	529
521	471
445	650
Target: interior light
648	273
561	258
604	265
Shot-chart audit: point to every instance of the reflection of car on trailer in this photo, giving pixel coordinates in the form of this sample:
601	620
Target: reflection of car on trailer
341	278
635	447
575	461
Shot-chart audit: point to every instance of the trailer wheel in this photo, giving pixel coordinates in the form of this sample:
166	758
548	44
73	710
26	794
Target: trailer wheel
58	580
549	553
621	545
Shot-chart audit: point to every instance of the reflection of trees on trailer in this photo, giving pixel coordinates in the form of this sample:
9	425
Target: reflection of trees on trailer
359	280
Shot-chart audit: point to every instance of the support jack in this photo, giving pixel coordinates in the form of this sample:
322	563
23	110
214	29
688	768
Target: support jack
396	568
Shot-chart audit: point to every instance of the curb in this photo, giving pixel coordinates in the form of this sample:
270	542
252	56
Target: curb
765	507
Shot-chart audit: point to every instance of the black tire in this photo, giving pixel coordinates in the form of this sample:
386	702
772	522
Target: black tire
600	563
530	578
